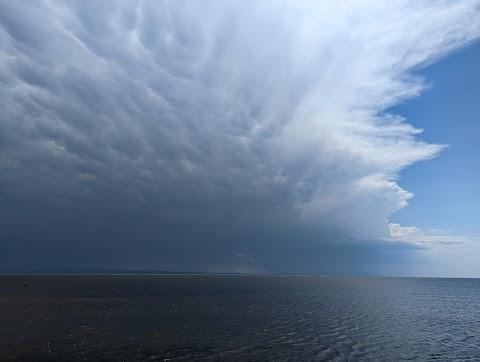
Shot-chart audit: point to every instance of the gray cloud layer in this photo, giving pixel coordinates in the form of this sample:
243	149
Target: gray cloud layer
213	135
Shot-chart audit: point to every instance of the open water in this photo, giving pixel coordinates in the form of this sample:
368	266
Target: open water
238	318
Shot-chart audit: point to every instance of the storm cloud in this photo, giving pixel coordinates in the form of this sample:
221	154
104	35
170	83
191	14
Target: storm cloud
212	135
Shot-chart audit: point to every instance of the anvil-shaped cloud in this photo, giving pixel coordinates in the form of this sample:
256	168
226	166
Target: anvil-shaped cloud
182	134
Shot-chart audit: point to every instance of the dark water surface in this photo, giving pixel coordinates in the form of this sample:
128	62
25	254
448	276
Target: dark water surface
194	317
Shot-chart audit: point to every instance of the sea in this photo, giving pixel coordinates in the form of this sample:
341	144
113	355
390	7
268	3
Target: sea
238	318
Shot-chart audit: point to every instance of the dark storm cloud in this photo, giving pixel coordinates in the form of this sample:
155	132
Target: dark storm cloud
214	136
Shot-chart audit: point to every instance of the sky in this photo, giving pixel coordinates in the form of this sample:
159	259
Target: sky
293	137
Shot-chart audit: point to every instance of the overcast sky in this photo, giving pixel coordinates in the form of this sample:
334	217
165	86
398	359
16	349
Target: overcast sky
228	136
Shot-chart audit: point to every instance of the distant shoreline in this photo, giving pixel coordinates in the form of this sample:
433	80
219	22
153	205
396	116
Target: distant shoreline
166	273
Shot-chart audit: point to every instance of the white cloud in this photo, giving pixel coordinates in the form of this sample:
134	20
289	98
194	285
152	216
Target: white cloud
249	111
427	238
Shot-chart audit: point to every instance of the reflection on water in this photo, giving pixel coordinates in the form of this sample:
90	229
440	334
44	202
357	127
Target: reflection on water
147	317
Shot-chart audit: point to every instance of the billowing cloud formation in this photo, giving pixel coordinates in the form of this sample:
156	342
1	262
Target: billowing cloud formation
186	134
